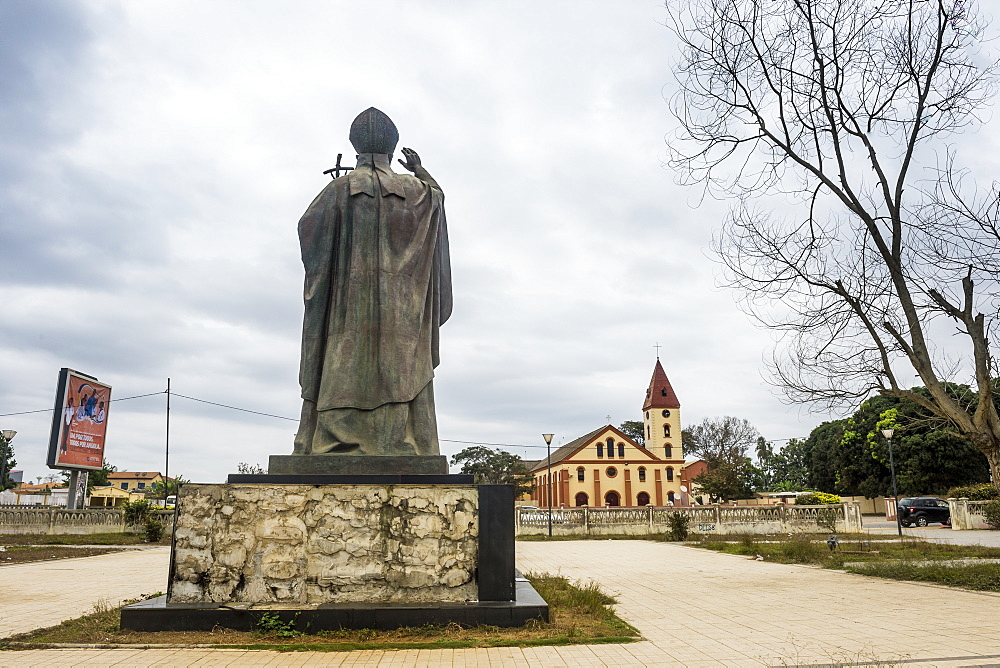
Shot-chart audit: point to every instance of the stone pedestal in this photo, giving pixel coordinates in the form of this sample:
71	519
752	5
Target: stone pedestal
287	543
345	551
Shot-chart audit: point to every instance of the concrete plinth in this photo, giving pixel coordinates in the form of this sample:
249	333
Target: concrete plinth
334	464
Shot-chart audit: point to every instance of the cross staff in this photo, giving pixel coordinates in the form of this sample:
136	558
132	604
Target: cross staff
335	171
657	346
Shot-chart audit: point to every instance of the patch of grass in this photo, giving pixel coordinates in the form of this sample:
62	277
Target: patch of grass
909	559
800	549
979	577
578	613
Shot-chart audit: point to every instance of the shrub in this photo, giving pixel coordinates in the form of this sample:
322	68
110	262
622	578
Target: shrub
678	526
153	528
984	492
136	513
991	513
270	624
816	499
826	519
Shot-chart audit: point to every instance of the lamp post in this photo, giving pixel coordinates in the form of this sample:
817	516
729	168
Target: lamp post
548	474
6	436
892	470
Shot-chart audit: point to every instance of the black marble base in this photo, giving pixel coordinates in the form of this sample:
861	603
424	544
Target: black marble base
351	479
157	615
333	464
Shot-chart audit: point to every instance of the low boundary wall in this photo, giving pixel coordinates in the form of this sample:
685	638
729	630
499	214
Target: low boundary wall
713	519
58	520
967	514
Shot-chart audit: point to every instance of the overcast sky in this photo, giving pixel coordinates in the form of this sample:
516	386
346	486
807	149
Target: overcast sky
155	158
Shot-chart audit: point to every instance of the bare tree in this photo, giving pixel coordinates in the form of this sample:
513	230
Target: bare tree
723	444
850	232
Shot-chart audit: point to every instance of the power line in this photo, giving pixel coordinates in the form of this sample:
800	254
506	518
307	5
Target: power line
282	417
245	410
49	410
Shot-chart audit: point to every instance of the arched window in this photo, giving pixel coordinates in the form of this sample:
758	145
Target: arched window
600	450
621	450
582	499
611	447
612	499
668	451
642	499
663	392
670	497
666	431
670	475
642	474
579	475
647	433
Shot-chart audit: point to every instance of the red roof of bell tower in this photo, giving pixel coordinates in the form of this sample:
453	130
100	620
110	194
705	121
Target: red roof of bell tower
660	394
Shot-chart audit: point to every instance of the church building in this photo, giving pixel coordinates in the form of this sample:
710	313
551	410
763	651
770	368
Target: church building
607	468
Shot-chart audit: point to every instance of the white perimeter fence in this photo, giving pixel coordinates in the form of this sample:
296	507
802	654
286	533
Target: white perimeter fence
714	519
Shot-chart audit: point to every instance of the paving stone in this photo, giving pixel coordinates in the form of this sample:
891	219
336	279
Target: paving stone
693	607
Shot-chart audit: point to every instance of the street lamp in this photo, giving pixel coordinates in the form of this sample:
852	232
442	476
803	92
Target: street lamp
8	436
892	469
548	473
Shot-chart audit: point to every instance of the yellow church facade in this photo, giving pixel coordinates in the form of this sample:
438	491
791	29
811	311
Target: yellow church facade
607	468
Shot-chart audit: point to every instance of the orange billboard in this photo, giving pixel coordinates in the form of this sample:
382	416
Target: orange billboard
79	423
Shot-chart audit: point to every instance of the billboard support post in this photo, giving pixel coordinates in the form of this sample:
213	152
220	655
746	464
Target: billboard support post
74	476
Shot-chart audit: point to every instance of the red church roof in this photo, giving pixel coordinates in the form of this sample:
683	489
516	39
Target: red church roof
660	394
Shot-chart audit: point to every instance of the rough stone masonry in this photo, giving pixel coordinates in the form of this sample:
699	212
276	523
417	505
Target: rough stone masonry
314	544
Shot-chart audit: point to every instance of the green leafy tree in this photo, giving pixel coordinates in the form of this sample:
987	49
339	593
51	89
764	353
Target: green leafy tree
161	489
634	430
822	456
852	456
723	444
724	480
7	463
783	470
495	467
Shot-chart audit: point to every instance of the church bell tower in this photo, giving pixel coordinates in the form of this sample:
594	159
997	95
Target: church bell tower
661	417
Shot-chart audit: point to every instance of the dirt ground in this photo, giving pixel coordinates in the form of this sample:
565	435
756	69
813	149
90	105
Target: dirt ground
22	554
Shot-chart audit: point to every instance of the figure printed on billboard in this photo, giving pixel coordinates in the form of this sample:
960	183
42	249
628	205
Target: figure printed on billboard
80	422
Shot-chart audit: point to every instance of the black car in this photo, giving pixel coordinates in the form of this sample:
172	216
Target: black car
922	510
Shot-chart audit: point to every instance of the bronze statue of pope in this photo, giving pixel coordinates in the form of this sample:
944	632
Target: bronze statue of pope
377	288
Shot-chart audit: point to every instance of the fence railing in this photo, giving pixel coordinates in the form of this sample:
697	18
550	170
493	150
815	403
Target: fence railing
59	520
714	519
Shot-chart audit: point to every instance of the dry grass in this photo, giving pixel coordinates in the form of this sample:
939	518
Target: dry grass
579	614
22	554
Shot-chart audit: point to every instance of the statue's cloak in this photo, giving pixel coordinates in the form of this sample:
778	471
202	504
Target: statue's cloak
377	287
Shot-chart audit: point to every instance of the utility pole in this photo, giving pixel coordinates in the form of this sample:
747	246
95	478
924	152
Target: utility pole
166	461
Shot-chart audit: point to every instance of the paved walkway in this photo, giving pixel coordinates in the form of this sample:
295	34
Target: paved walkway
694	607
44	593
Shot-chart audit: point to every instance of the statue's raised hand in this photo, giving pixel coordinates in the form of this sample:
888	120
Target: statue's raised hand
412	160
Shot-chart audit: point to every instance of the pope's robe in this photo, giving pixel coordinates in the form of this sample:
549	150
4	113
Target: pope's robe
377	288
